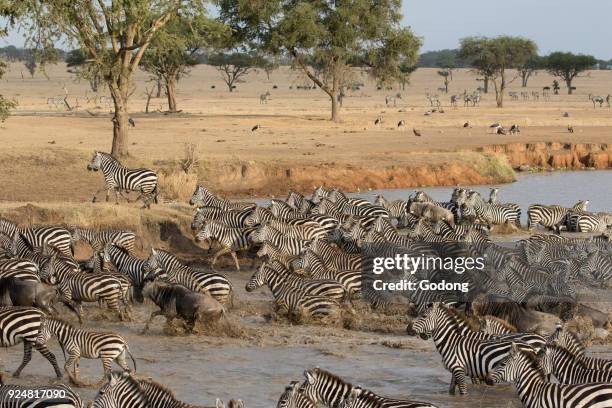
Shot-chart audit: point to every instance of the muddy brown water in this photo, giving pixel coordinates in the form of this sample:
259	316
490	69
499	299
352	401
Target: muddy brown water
265	356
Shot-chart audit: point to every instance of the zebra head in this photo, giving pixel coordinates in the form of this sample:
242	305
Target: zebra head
349	400
258	279
380	200
425	325
318	194
294	199
336	196
518	363
119	389
289	396
200	197
205	233
323	387
421	197
95	163
547	359
153	266
198	220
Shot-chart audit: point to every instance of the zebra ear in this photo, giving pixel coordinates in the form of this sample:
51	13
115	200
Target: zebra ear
309	377
153	251
295	386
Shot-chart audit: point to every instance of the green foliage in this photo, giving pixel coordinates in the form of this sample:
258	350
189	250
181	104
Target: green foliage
568	66
325	38
448	58
6	105
233	66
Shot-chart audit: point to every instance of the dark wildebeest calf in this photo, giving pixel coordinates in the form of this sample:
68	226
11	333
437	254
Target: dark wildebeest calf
17	292
178	301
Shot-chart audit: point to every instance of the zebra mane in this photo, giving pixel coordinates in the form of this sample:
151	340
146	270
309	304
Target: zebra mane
569	354
573	337
459	316
534	362
330	376
157	388
502	323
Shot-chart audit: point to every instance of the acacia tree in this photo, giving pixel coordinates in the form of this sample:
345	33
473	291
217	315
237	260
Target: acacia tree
531	66
328	34
78	64
568	66
234	66
493	56
174	50
115	35
446	76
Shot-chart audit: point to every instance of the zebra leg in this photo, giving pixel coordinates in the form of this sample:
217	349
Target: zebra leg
458	380
93	200
27	356
236	261
42	349
106	365
223	251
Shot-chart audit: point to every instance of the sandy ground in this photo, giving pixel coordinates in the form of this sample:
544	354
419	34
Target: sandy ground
297	146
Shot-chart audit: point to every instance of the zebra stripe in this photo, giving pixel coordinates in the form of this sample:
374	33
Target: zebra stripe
216	285
523	369
231	239
361	398
79	343
120	178
291	246
567	369
98	239
570	342
202	197
133	268
40	235
22	324
293	397
231	218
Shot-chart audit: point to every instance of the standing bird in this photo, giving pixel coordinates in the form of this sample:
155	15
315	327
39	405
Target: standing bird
378	121
514	129
416	132
566	114
570	128
401	125
131	122
256	127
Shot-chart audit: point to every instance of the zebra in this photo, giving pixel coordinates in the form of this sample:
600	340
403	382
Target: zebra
522	367
299	202
551	216
364	210
421	196
336	259
351	280
230	239
23	325
325	388
124	390
291	246
79	343
320	193
38	235
599	222
133	268
216	285
392	99
274	254
306	231
231	218
362	398
21	268
570	342
293	397
275	276
77	287
567	369
45	396
461	355
599	266
120	178
98	239
396	208
491	214
202	197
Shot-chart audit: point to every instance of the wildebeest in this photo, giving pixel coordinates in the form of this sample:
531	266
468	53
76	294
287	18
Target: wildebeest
178	301
431	212
17	292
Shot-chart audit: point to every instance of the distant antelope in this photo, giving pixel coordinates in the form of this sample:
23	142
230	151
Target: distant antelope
535	95
513	96
514	129
263	98
597	100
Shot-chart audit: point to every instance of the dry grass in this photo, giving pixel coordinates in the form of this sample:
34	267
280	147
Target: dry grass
177	185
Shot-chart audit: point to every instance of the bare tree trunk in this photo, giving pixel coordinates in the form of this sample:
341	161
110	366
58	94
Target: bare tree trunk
524	78
499	90
486	84
569	86
120	121
159	87
171	92
335	114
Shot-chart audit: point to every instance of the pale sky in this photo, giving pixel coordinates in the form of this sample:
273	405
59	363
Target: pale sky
580	26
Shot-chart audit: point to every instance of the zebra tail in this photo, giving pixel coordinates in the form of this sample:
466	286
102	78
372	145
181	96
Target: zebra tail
156	193
127	350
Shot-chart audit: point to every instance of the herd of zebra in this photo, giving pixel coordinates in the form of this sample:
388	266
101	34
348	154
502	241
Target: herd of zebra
316	258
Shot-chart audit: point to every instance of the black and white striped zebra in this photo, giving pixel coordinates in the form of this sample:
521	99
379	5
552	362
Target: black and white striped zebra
462	356
325	388
567	369
98	239
589	222
231	218
202	197
120	178
522	368
568	340
20	268
293	397
40	396
551	216
216	285
135	269
23	325
336	259
599	266
306	231
299	202
362	398
351	280
366	209
230	239
396	208
123	390
77	287
292	246
38	236
80	343
490	214
275	276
